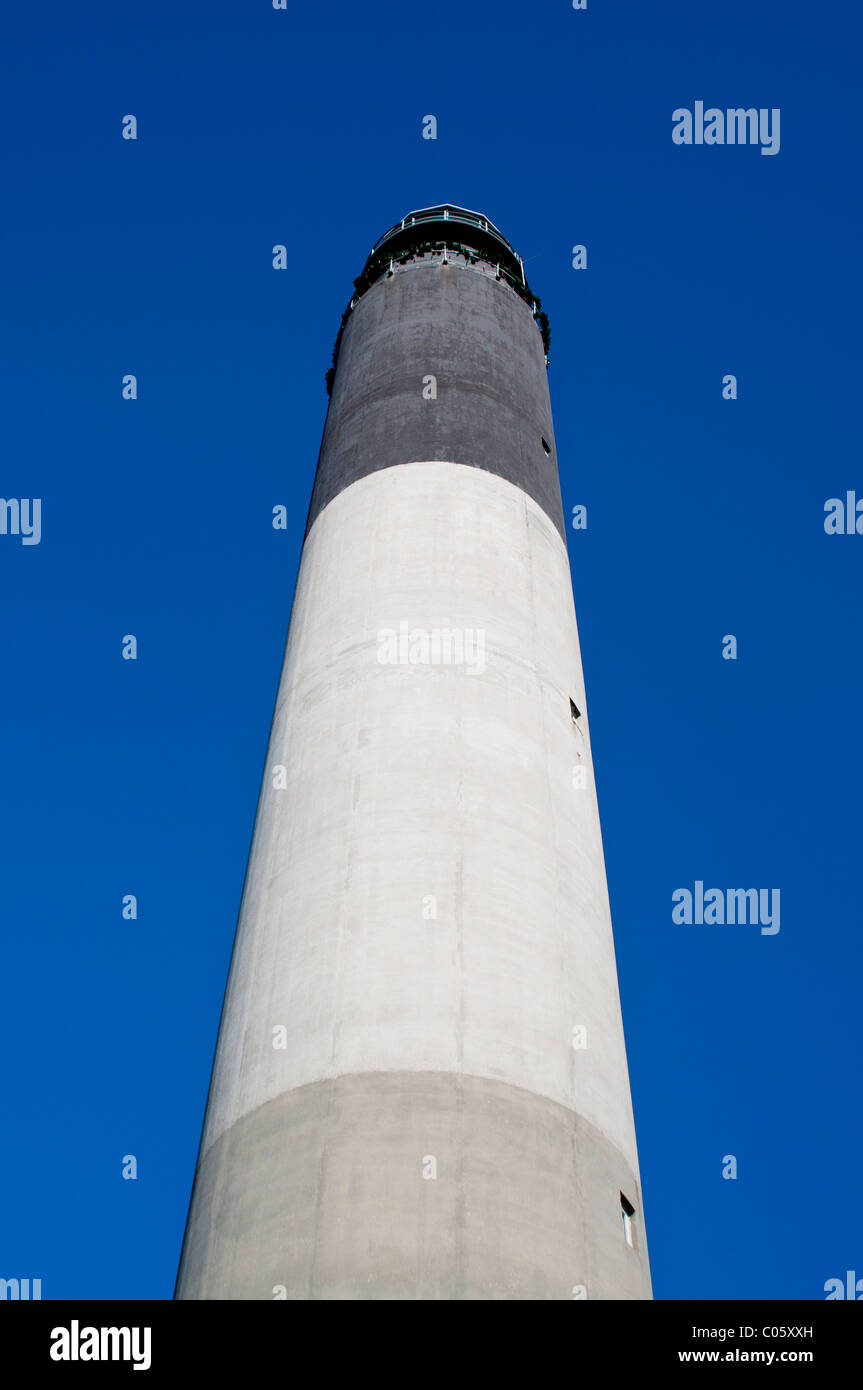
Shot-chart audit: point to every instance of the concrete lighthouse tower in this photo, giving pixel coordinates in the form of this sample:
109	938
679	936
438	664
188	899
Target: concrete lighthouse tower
420	1088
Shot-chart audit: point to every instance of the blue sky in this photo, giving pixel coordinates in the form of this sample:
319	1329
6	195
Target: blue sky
705	517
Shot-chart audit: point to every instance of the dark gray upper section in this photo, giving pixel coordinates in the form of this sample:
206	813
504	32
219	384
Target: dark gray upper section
453	224
480	342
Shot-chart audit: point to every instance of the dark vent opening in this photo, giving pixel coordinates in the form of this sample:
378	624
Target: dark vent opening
627	1212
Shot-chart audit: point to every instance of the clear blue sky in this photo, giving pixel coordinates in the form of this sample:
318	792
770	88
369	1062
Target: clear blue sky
705	517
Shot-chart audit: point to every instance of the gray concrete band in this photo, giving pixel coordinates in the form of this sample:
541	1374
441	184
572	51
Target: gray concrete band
480	342
321	1192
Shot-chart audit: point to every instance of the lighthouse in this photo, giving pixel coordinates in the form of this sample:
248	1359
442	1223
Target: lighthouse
420	1087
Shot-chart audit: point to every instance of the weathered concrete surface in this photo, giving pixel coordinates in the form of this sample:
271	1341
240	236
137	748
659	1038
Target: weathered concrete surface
482	345
524	1204
406	783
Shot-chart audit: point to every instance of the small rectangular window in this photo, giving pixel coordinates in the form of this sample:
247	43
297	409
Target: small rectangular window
627	1212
